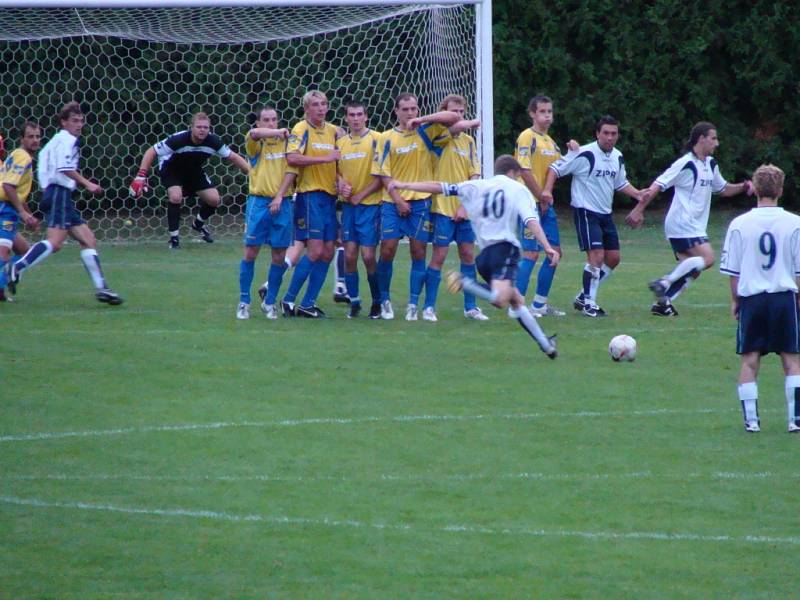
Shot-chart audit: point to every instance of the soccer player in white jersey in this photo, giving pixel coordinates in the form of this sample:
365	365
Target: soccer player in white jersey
695	176
58	178
494	207
762	257
598	171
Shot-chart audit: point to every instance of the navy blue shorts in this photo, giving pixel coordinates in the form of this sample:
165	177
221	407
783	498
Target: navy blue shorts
498	261
768	323
446	230
262	227
549	224
58	208
596	231
682	245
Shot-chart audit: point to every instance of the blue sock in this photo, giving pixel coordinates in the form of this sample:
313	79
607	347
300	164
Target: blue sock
319	271
471	272
351	281
384	273
3	280
301	272
274	279
246	272
433	277
416	280
545	281
374	289
524	272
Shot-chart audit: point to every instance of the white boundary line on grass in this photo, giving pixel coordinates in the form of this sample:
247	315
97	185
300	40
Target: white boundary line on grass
400	478
352	421
452	528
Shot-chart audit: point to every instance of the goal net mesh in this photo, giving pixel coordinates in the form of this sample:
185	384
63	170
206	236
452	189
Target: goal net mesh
140	73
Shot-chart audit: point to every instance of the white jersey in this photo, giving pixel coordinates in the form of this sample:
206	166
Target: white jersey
694	181
596	175
762	249
494	206
60	154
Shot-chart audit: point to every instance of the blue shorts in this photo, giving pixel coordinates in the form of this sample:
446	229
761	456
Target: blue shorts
9	223
58	207
361	224
446	230
417	225
768	323
315	216
549	224
498	261
262	227
682	245
596	231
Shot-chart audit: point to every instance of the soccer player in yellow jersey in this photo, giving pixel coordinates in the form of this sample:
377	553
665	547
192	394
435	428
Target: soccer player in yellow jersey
268	216
16	181
312	150
457	161
535	152
361	192
406	154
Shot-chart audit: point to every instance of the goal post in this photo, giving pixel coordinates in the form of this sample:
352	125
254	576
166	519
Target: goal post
140	68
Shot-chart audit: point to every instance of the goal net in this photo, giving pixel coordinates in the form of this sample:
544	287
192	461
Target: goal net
139	73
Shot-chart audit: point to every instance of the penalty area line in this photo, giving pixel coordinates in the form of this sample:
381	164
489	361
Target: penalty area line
450	528
52	435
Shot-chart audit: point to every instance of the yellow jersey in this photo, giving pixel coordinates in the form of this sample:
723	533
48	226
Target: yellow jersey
17	170
409	156
457	162
536	152
314	141
356	162
267	158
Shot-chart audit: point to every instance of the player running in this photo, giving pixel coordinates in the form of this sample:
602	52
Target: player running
58	178
494	206
181	157
695	176
762	257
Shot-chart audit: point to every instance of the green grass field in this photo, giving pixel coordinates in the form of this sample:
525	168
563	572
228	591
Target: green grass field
163	449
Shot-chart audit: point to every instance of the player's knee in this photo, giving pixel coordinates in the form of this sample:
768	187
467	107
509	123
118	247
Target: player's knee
530	255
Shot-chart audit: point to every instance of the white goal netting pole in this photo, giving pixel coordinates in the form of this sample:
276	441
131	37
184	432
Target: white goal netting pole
141	68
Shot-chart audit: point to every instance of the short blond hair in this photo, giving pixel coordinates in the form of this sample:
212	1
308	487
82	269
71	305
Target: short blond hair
768	181
457	99
311	94
200	116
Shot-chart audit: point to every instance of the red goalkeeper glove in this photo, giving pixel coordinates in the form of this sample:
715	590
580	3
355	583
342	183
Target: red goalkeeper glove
139	184
2	149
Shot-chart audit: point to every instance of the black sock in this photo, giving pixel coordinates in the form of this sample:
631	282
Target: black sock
173	217
205	211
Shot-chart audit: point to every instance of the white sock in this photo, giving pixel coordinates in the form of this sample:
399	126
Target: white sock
476	289
289	264
531	325
695	263
748	395
595	284
793	398
92	263
175	233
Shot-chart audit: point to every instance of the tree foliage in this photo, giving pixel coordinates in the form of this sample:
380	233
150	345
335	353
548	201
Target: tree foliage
659	67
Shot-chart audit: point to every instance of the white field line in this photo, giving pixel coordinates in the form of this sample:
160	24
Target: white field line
403	478
353	421
452	528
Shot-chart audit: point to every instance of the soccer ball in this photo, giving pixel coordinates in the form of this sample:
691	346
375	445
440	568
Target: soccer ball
622	348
